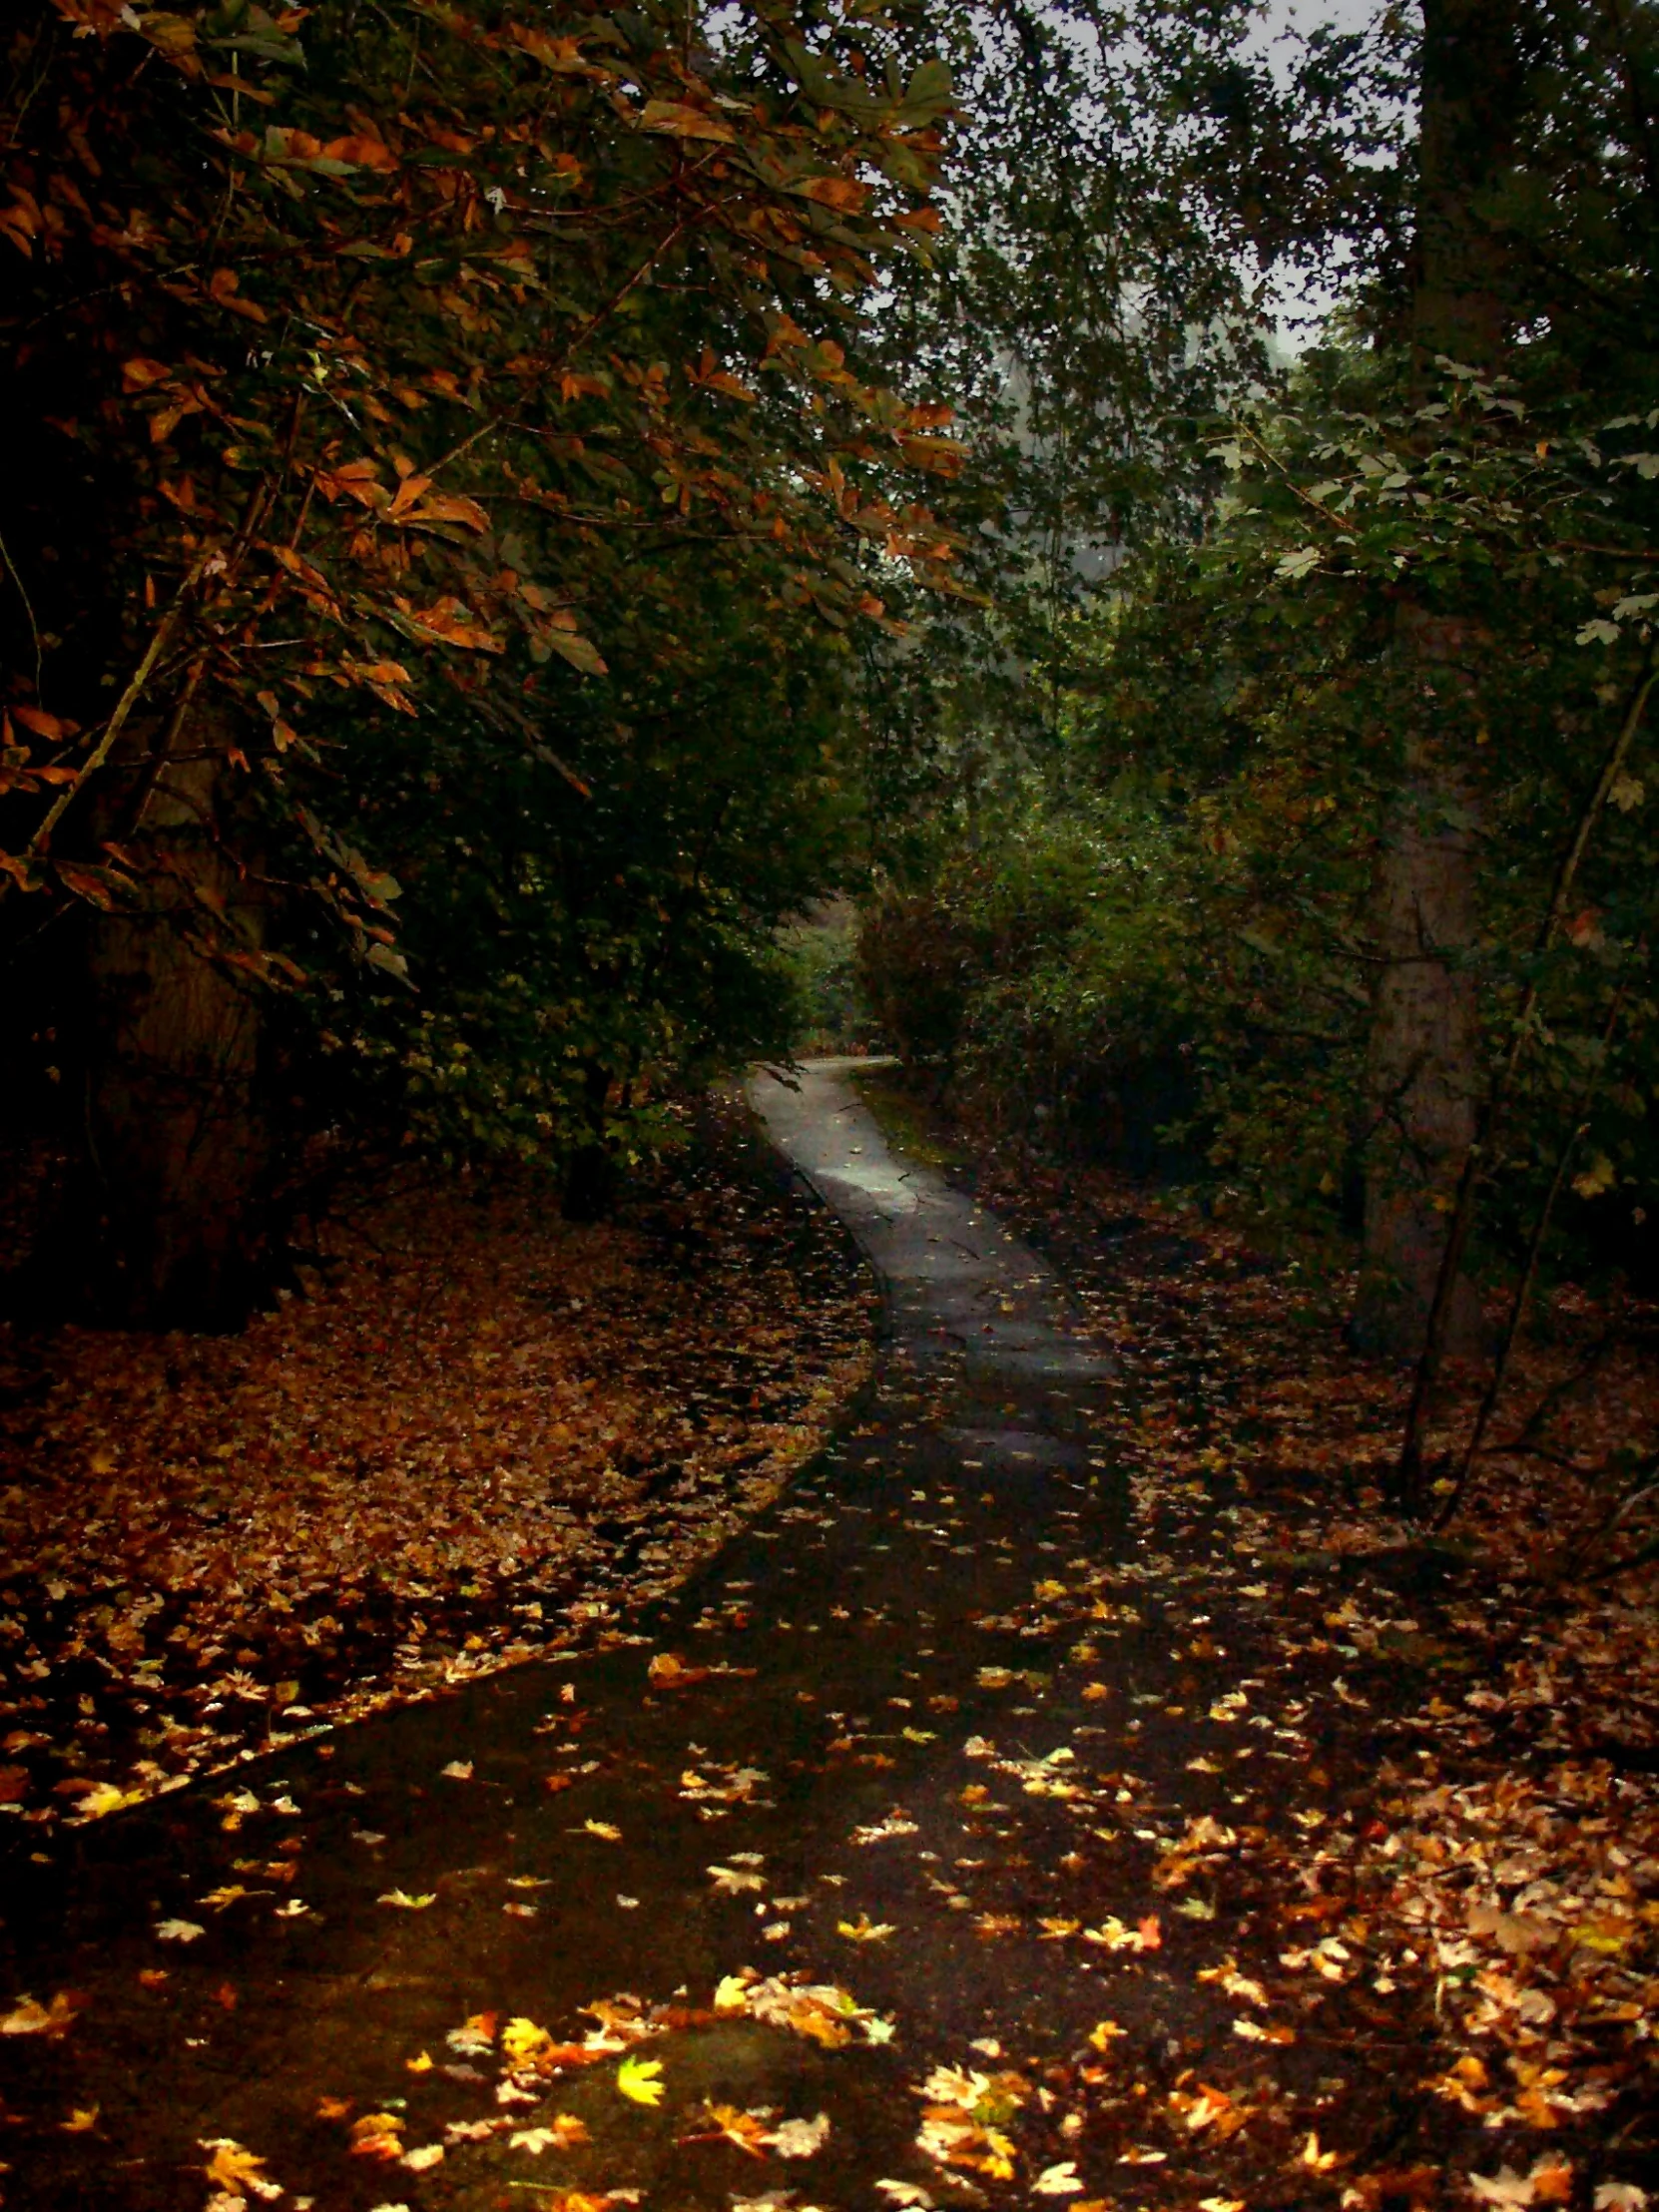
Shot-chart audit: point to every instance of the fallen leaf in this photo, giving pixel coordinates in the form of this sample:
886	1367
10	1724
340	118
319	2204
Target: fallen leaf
1058	2181
641	2079
28	2019
801	2138
378	2135
232	2166
866	1930
523	2042
730	1880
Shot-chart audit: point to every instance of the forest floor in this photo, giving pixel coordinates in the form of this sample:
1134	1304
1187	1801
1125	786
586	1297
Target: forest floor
470	1431
1071	1785
1461	1889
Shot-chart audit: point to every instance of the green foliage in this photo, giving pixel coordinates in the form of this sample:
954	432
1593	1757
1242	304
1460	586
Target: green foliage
820	952
1043	969
585	921
446	429
1190	882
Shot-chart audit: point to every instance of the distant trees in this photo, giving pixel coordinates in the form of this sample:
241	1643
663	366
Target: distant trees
1354	735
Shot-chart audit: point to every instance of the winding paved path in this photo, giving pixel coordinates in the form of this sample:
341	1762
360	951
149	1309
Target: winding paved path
824	1781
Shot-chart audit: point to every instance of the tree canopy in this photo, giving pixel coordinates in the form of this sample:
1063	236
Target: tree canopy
451	461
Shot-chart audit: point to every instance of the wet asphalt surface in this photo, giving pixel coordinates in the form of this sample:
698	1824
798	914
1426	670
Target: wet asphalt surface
661	1847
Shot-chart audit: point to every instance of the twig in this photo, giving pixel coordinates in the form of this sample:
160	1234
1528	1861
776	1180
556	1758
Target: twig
600	315
28	609
162	752
1408	1472
1535	1251
122	707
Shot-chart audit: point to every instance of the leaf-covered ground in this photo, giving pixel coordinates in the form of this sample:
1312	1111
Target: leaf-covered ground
473	1430
1454	1902
1068	1787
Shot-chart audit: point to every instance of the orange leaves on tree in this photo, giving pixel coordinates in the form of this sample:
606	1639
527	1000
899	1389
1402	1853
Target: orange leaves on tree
385	679
435	509
939	456
448	621
846	194
139	375
563	56
223	287
708	376
354	481
675	119
363	151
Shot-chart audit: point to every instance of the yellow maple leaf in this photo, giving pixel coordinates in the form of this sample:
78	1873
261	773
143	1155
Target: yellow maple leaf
641	2080
864	1930
523	2042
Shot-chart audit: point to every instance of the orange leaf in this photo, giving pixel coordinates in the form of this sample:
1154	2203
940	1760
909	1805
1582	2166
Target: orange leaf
232	2167
845	193
361	152
139	375
674	119
453	623
562	55
44	724
445	506
223	286
408	491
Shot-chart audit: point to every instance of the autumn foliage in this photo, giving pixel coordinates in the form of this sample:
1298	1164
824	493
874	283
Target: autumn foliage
411	371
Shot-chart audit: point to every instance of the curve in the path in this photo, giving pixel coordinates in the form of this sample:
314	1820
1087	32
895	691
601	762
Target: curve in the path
751	1843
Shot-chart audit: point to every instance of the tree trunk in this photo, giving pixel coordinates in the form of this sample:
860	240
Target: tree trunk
593	1177
172	1126
1424	1056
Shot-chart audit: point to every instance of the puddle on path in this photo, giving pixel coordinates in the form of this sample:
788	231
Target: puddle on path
620	1847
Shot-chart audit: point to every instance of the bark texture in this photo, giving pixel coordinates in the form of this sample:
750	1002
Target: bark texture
1424	1062
173	1124
1424	1058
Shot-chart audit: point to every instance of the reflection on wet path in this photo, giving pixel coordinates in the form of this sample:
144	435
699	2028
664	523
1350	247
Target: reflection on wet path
685	1918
